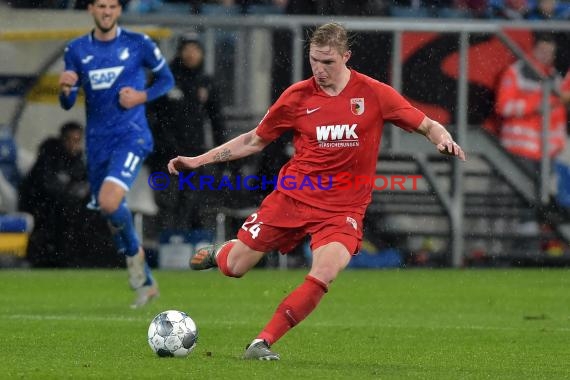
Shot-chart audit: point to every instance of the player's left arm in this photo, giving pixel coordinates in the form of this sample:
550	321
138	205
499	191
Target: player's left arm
440	137
161	84
163	81
399	111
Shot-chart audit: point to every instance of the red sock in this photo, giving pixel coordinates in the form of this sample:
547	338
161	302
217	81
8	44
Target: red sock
293	309
222	259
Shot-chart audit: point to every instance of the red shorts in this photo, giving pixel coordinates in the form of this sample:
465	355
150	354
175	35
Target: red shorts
282	222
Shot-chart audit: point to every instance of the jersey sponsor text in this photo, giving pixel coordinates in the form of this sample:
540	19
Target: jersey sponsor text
337	136
103	79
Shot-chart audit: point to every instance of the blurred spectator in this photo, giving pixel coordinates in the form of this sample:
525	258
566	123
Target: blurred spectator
298	7
11	221
8	195
55	192
39	4
549	10
229	6
508	9
519	104
439	8
472	8
321	7
333	7
563	161
187	121
351	8
9	172
54	4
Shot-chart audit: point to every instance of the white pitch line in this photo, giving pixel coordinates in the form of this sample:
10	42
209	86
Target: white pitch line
36	317
86	318
115	318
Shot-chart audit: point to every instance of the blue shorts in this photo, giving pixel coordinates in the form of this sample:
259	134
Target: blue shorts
117	159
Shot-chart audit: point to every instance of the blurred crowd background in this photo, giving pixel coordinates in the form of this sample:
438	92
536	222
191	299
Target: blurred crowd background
505	9
43	196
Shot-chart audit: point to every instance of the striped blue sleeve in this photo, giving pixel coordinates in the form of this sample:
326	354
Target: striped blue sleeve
163	81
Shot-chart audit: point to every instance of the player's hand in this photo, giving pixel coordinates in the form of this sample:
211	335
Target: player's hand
67	80
450	148
182	163
129	97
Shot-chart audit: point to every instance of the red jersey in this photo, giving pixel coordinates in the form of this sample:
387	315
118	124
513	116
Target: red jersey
335	135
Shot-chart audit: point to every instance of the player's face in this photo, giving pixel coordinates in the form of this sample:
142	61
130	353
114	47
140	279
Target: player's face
105	14
327	64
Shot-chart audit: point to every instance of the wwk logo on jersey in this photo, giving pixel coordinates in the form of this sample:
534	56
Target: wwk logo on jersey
337	136
103	79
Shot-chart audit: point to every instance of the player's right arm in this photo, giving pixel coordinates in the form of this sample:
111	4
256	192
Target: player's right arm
242	146
278	119
68	89
68	82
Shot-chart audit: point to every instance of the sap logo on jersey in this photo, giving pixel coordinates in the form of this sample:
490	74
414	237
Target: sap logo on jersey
103	79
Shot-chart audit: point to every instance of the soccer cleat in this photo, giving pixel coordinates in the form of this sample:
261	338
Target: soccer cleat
144	295
136	270
205	257
259	351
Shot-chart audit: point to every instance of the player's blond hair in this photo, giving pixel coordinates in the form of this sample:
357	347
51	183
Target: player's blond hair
333	35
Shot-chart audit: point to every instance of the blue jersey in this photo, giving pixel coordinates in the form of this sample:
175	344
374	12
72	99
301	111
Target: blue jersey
104	68
117	139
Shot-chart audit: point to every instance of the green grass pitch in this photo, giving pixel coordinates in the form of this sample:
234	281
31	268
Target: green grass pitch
384	324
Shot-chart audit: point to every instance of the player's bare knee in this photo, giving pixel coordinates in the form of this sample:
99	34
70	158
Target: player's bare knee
233	273
108	205
239	268
110	197
242	258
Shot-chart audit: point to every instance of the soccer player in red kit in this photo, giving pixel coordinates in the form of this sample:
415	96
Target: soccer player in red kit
337	117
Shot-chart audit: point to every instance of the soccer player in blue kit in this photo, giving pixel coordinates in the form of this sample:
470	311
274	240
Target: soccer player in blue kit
109	63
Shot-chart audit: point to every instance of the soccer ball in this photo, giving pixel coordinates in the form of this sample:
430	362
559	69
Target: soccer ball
172	333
